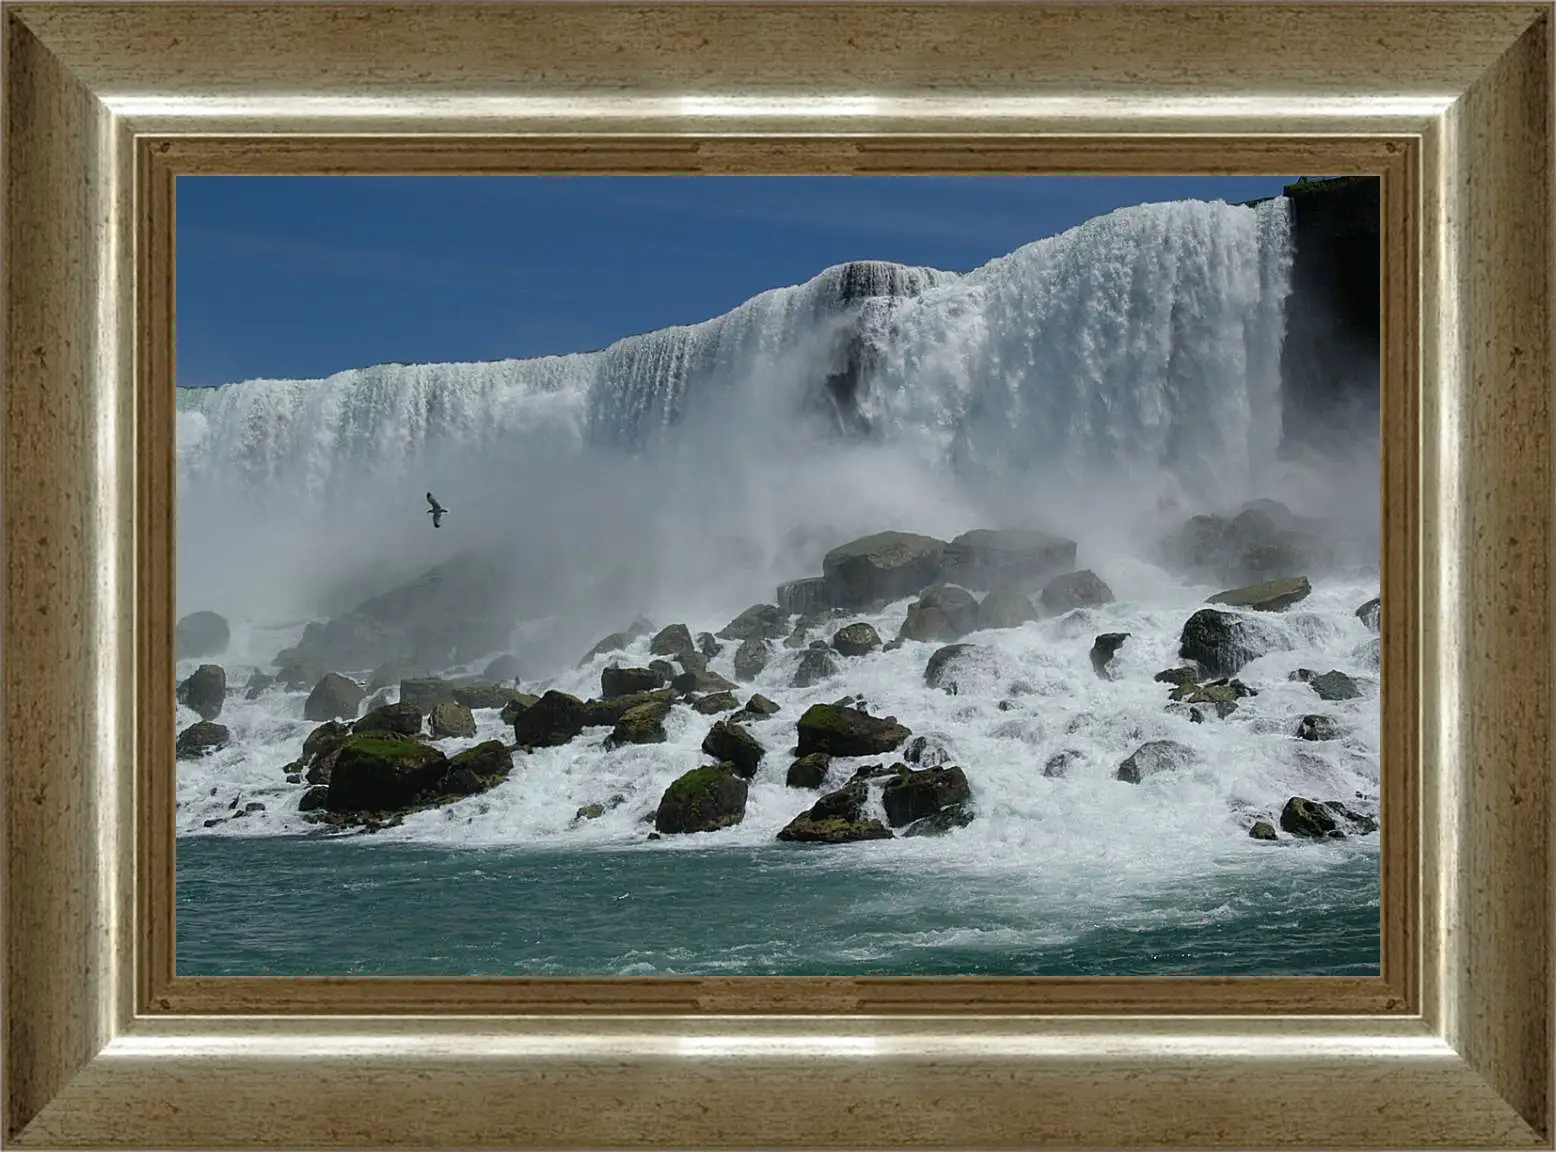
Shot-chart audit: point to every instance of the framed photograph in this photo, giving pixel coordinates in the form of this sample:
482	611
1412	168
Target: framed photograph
778	575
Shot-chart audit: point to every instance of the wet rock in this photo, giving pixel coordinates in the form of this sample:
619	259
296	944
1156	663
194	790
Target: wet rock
200	739
642	724
837	818
617	681
1316	727
1103	650
751	658
990	558
941	823
847	732
815	666
334	697
1152	758
880	568
451	720
1268	596
1005	608
1370	613
1083	589
731	744
759	622
402	719
206	691
808	771
200	634
554	719
702	800
856	640
918	794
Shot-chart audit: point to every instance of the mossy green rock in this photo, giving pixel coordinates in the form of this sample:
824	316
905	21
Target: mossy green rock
847	732
703	800
381	774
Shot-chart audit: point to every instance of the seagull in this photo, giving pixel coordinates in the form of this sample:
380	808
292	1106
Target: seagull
436	511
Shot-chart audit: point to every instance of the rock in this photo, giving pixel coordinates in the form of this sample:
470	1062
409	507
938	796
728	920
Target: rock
946	663
731	744
1103	650
881	568
1221	643
258	684
517	704
702	800
426	693
1314	820
334	697
1083	589
856	640
552	720
1060	763
200	634
402	719
314	799
941	823
1262	830
815	666
674	640
847	732
1177	677
751	658
1153	757
388	674
451	720
503	670
382	773
1330	685
701	682
708	644
642	724
1315	727
761	705
1269	596
808	771
617	681
1005	607
837	818
206	691
1370	613
918	794
990	558
802	597
200	739
716	703
758	622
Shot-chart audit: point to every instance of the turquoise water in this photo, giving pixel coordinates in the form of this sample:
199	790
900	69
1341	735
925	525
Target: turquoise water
292	906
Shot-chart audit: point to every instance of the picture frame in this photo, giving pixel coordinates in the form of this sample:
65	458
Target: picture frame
1451	1046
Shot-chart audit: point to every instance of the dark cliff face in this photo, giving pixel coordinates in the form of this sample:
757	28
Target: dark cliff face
1331	356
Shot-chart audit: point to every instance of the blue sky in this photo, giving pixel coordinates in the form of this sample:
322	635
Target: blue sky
302	276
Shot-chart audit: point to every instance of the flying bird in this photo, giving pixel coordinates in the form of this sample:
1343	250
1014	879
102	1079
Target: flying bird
436	511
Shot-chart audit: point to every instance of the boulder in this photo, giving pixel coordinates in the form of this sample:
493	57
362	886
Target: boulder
733	745
426	693
335	697
758	622
641	724
991	558
881	568
815	666
942	822
401	719
856	639
702	800
503	670
1221	643
914	795
451	720
1005	607
552	720
751	658
200	739
1268	596
837	818
1152	758
200	634
1103	649
1083	589
1316	727
847	732
808	771
376	773
1370	613
618	681
802	597
1331	685
206	691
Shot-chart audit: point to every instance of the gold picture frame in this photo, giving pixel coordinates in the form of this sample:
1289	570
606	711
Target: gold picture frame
1451	104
